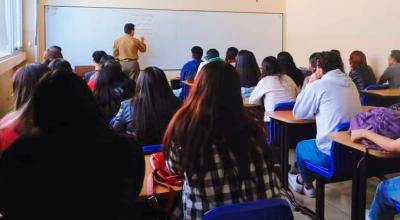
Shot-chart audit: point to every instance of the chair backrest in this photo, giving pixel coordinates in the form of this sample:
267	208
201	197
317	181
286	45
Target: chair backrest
376	87
150	149
81	70
364	98
270	209
397	205
341	157
283	106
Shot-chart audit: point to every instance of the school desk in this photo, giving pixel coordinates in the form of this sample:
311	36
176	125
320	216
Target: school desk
288	131
383	97
367	163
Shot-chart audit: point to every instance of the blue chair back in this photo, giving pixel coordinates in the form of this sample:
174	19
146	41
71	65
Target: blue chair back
397	204
150	149
270	209
284	106
364	98
340	160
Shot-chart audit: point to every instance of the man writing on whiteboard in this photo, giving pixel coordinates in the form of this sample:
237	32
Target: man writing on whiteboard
126	49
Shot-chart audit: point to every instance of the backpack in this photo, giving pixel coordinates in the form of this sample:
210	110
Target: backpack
382	121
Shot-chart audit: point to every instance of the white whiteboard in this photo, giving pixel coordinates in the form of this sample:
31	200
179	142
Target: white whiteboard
169	34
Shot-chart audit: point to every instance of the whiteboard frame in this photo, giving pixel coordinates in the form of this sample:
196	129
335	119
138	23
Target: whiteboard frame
160	9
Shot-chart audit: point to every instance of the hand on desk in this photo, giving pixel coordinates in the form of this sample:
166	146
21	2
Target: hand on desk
357	135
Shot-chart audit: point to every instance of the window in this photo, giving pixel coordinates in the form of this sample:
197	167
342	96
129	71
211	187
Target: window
10	26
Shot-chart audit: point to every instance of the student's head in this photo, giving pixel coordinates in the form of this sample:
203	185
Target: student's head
55	47
286	62
63	104
110	78
24	82
357	59
270	67
289	67
212	114
60	64
337	52
330	61
313	60
97	55
52	53
154	106
129	29
249	71
197	53
394	57
107	58
231	54
212	53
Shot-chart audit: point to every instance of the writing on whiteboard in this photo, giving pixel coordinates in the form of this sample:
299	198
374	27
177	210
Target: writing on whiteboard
144	23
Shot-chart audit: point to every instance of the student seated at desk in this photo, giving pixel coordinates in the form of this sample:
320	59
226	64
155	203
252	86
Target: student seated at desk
69	164
147	115
332	98
216	146
189	70
361	74
97	55
249	72
289	68
392	73
60	64
388	191
231	54
275	87
24	83
112	87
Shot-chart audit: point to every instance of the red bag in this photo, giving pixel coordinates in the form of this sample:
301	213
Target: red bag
163	177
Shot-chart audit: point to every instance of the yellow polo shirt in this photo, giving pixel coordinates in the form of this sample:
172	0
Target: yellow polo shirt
128	47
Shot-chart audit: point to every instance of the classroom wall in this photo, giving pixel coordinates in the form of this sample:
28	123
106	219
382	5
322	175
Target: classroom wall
275	6
367	25
7	67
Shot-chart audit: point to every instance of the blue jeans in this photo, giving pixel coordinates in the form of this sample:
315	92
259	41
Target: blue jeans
383	205
308	151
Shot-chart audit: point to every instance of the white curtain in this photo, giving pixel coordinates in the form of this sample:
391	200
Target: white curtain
10	26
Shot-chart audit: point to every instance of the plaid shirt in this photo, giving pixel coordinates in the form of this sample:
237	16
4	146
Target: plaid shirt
219	186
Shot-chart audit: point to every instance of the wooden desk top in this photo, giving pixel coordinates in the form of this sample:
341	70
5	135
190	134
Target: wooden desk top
384	92
159	189
344	138
288	117
248	105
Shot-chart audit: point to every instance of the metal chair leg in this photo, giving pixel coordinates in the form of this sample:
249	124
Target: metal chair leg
320	200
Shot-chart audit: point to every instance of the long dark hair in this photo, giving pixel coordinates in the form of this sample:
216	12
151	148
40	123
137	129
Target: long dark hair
270	67
289	67
214	115
60	64
24	82
249	71
153	106
111	88
231	54
63	104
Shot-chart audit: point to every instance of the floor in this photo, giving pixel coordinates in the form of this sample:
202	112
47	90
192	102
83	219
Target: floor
337	199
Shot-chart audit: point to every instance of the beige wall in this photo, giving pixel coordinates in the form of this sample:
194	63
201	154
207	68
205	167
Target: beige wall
7	68
367	25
